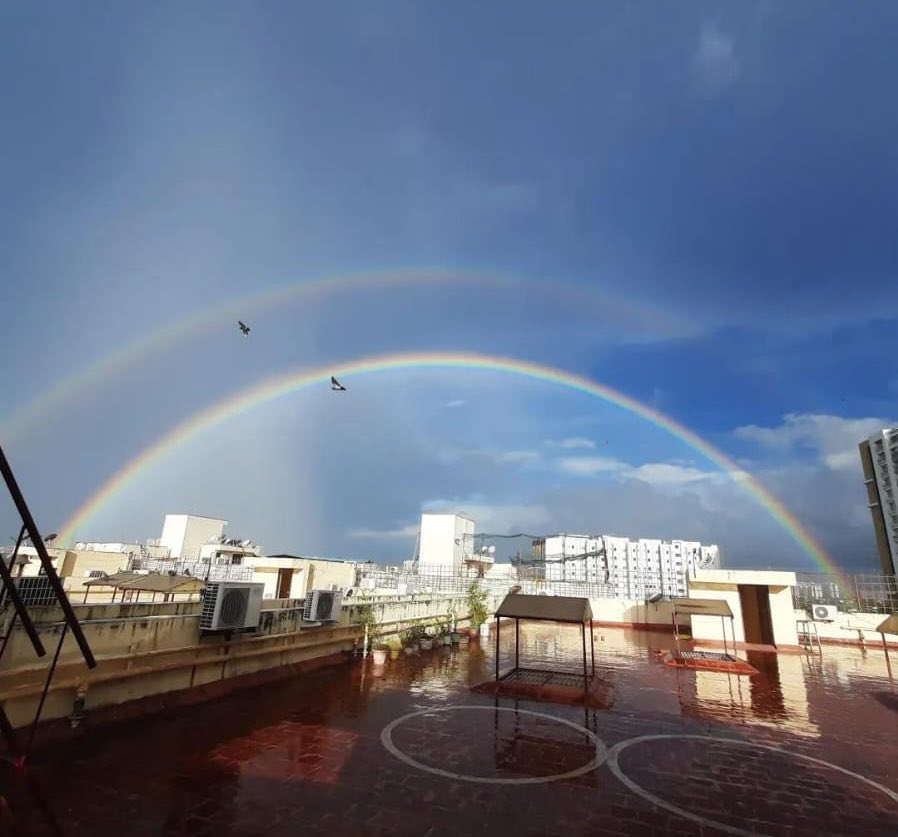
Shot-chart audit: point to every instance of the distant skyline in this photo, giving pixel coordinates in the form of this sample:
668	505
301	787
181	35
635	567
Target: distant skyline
695	206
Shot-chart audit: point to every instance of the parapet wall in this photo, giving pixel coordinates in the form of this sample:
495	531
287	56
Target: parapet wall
151	649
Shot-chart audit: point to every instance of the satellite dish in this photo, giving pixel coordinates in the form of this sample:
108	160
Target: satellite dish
491	550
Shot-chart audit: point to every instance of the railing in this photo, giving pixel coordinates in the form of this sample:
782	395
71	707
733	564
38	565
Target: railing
860	593
198	569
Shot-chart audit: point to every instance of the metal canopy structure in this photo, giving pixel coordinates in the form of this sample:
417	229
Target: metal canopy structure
563	609
889	625
703	607
148	583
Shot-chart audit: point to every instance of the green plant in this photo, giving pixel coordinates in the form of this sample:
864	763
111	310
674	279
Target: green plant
476	601
368	621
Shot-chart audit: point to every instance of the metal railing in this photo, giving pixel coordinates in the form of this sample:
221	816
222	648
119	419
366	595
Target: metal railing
860	593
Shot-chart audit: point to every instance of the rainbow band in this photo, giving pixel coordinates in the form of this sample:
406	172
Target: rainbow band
290	382
17	425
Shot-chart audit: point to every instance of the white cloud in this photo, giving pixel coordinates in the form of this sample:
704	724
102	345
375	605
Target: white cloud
665	473
833	440
518	456
458	402
571	443
584	465
715	59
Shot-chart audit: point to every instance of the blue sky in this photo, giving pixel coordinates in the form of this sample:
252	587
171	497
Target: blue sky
711	188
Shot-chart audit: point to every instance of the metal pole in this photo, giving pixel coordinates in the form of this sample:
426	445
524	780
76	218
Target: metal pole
38	543
20	609
498	623
676	630
723	627
885	648
517	643
40	706
583	638
592	647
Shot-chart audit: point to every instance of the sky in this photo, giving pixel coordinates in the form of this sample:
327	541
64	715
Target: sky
695	204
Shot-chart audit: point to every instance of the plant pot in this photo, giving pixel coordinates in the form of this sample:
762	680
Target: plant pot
379	655
447	639
425	644
410	649
454	638
394	653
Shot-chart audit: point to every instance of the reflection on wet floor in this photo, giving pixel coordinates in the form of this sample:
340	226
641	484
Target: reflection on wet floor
306	755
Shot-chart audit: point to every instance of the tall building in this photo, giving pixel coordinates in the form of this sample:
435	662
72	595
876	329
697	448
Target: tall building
630	569
879	458
446	544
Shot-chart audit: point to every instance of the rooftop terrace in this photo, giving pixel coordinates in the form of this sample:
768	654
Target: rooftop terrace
805	747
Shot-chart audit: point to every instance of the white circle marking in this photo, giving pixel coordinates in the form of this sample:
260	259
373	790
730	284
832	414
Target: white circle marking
386	738
615	768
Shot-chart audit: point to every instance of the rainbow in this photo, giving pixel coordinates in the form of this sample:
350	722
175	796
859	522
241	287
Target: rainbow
19	424
293	381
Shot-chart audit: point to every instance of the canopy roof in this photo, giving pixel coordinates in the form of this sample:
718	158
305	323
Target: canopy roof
702	607
889	625
152	583
546	608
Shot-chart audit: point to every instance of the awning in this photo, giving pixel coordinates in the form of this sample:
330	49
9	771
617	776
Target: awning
889	625
702	607
546	608
152	583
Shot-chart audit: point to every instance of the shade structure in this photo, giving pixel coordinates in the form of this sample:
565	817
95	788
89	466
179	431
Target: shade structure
149	583
545	608
702	607
563	609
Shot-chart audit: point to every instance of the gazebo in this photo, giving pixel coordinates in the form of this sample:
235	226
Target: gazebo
703	607
133	584
562	609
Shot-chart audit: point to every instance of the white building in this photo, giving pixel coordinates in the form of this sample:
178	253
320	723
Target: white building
446	544
185	534
632	569
879	458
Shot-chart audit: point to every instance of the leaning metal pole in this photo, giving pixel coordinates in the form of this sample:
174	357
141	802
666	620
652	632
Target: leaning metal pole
38	543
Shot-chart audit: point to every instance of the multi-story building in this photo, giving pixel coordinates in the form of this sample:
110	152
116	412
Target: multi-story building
446	544
879	459
631	569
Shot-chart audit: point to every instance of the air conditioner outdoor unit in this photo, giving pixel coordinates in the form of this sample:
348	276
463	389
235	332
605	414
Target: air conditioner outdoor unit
824	613
322	606
231	606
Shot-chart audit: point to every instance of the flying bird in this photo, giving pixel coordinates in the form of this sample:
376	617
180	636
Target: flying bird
336	386
244	328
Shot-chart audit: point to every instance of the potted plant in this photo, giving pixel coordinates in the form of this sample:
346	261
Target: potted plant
367	619
446	631
379	653
477	612
425	641
409	640
395	647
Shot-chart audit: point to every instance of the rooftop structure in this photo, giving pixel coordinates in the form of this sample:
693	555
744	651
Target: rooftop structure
879	460
407	749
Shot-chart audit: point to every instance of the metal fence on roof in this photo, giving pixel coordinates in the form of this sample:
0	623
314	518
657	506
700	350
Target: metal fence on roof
860	592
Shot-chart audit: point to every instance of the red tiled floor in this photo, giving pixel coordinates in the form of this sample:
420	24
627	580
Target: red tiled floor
306	757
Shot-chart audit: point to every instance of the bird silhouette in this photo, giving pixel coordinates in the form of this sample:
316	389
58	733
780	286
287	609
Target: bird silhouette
336	386
244	328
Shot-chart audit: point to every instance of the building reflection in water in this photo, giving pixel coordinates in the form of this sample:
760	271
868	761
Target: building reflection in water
775	697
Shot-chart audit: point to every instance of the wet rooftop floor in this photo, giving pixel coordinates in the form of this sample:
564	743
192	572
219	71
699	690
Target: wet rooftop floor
807	746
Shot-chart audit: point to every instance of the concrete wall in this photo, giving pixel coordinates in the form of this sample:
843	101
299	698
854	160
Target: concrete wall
724	585
145	650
